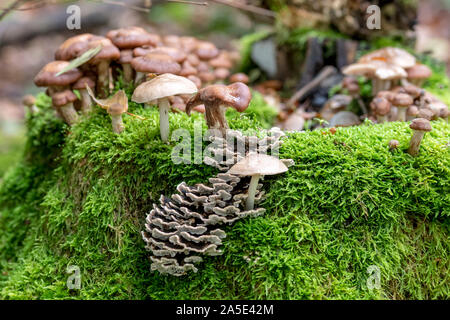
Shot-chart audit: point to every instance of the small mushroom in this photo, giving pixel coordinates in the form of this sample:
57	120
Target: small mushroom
73	47
420	126
86	101
132	37
115	106
125	60
239	77
206	50
161	88
216	99
411	112
353	89
221	74
63	102
47	76
425	114
418	73
402	101
444	113
256	165
29	101
393	145
381	107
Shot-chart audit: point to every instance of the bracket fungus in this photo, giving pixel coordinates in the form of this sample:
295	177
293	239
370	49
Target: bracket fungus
216	99
257	165
420	126
115	106
160	89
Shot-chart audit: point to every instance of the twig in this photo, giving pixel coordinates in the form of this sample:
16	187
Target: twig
119	3
246	7
323	74
189	2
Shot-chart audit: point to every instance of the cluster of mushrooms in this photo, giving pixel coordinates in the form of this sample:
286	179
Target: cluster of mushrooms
397	96
167	71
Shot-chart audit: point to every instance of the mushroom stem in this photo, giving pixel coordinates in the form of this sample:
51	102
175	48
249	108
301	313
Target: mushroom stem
127	72
401	113
250	203
414	144
117	123
381	119
103	78
164	109
86	101
139	77
69	113
361	104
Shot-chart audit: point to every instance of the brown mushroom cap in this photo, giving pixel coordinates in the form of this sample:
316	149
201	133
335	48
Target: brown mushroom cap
187	69
381	106
425	114
108	52
193	59
126	56
28	100
188	43
221	61
420	124
239	77
142	51
116	109
73	47
386	94
402	100
47	76
444	112
155	63
62	98
172	41
176	54
196	80
412	111
412	90
132	37
221	73
206	50
82	82
236	95
418	71
207	76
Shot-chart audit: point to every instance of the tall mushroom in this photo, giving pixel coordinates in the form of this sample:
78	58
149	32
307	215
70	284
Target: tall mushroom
256	165
216	99
160	89
420	126
125	60
402	101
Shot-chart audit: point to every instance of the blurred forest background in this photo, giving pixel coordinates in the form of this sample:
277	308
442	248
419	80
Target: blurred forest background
30	32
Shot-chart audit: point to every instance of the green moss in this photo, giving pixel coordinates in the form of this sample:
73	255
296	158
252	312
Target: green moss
80	196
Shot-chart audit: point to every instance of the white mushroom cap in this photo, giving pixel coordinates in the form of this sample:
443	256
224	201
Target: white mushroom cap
392	55
390	72
256	163
163	86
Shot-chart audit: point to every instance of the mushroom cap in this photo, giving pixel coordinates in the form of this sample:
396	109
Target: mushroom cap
132	37
207	76
390	72
187	69
393	144
126	56
420	124
193	59
236	95
385	94
195	80
418	71
176	54
381	106
425	113
142	51
82	82
188	44
155	63
206	50
256	163
62	98
444	112
360	69
391	55
117	109
221	73
412	111
353	88
73	47
402	100
47	76
108	52
28	100
162	86
412	90
239	77
172	40
118	98
221	61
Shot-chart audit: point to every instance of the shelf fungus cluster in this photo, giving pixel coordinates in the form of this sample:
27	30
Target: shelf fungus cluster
190	224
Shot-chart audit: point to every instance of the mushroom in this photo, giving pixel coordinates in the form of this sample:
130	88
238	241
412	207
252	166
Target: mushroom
386	75
125	60
73	47
63	102
115	106
239	77
391	55
425	114
221	74
132	37
221	61
161	88
47	76
206	50
29	101
102	60
256	165
444	113
393	144
418	73
217	98
420	126
352	87
402	101
187	69
176	54
195	80
411	112
154	63
381	107
86	101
